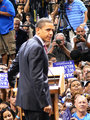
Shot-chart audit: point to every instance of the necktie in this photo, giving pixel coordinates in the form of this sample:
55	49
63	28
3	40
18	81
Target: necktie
45	47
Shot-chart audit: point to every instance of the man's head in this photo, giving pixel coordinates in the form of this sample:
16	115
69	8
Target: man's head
44	29
16	24
80	31
81	104
60	38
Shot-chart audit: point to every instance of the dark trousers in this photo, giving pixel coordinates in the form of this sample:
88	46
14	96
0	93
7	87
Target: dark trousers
33	115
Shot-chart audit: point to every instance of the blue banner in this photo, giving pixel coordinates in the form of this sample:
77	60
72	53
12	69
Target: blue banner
69	68
3	80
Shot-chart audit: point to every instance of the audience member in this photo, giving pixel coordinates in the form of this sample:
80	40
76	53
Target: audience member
3	105
76	88
7	39
12	100
81	105
28	18
7	114
81	45
76	13
70	80
51	59
20	12
60	48
78	73
26	27
37	9
20	35
85	69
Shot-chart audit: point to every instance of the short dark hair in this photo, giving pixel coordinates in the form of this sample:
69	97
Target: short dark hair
50	55
27	14
75	54
42	22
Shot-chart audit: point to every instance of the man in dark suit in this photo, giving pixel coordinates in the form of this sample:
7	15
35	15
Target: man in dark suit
33	91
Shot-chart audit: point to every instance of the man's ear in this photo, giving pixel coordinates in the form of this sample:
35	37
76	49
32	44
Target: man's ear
37	30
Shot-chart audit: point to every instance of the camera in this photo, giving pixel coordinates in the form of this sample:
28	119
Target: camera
78	36
61	3
58	41
68	95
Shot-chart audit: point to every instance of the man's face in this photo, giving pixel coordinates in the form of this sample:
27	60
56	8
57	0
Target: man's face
81	104
16	25
80	31
46	32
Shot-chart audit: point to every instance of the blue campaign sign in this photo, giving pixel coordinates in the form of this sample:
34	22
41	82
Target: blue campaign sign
67	114
69	68
3	80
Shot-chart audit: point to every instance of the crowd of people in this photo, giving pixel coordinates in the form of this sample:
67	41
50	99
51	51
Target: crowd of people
61	28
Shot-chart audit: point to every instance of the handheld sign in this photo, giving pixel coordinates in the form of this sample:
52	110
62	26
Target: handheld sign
3	80
69	68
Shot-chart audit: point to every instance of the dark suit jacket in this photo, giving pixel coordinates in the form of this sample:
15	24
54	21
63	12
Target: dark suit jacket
33	90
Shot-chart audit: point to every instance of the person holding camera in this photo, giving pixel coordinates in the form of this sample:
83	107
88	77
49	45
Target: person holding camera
61	48
75	13
81	45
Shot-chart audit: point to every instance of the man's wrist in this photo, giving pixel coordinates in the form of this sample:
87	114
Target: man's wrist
84	23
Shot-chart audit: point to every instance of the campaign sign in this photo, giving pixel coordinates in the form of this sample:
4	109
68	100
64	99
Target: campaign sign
3	80
69	68
67	114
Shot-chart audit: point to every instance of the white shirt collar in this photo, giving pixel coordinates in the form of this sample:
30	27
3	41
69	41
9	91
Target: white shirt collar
40	39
